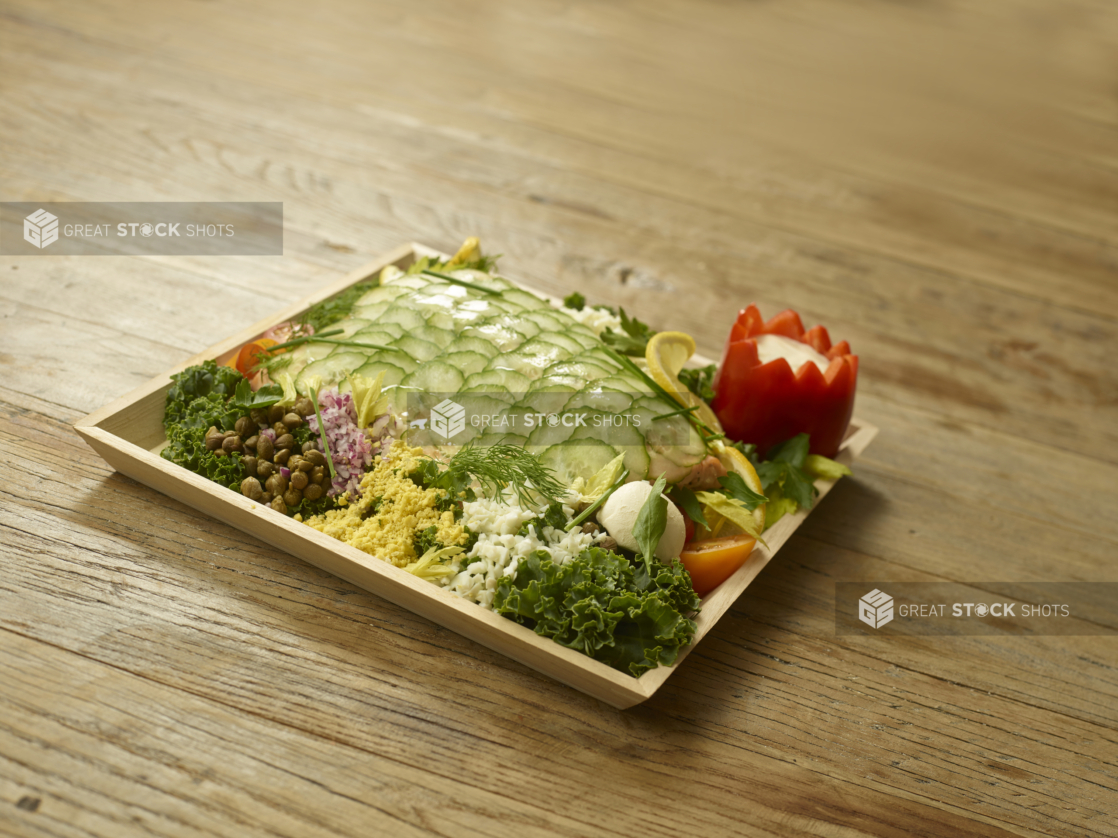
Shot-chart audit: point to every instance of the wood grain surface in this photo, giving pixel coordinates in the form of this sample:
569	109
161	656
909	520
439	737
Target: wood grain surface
937	182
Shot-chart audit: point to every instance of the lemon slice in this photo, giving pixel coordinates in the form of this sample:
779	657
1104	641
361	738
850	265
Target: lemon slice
665	356
737	463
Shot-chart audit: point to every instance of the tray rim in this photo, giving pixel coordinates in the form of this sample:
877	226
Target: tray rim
384	579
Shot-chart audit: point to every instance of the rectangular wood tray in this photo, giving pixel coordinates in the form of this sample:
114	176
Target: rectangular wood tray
128	433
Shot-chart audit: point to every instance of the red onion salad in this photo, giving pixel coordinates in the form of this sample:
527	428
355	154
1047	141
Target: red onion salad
351	447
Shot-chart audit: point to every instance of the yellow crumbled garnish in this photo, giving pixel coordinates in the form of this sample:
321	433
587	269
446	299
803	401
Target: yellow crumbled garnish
391	511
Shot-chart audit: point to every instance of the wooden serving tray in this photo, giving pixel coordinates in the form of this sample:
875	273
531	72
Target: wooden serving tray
128	434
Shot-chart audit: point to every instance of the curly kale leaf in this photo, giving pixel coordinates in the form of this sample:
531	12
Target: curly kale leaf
186	446
599	604
199	395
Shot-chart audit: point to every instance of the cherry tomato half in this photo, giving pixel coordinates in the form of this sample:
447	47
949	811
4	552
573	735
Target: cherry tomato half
713	560
251	354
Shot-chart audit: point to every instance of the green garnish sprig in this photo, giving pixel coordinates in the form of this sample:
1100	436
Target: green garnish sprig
496	468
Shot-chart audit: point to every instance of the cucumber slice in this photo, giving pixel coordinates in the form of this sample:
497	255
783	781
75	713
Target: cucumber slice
504	338
600	398
421	350
413	282
627	383
542	353
510	380
382	294
548	319
519	324
400	398
484	410
467	362
392	374
531	366
446	321
580	369
483	308
440	337
435	377
525	299
675	438
372	311
616	430
406	316
495	390
397	358
571	383
599	358
308	353
570	344
549	400
430	301
349	326
378	334
577	458
545	435
587	338
333	368
464	343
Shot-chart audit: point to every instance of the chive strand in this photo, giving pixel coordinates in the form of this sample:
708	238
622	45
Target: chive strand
462	282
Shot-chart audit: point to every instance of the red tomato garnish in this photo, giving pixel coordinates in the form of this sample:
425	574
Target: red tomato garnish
768	403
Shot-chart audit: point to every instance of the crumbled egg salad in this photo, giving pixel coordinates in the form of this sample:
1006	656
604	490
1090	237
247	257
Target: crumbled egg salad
391	509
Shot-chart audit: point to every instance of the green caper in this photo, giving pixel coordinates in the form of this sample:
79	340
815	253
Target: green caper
264	469
231	444
250	488
265	448
245	427
312	492
315	457
285	441
292	421
293	497
275	414
250	465
308	446
280	458
277	484
278	505
299	480
250	443
214	438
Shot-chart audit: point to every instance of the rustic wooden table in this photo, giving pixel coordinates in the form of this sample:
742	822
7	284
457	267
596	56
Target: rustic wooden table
937	183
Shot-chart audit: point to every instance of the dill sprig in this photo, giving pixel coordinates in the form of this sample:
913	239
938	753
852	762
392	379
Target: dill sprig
496	468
